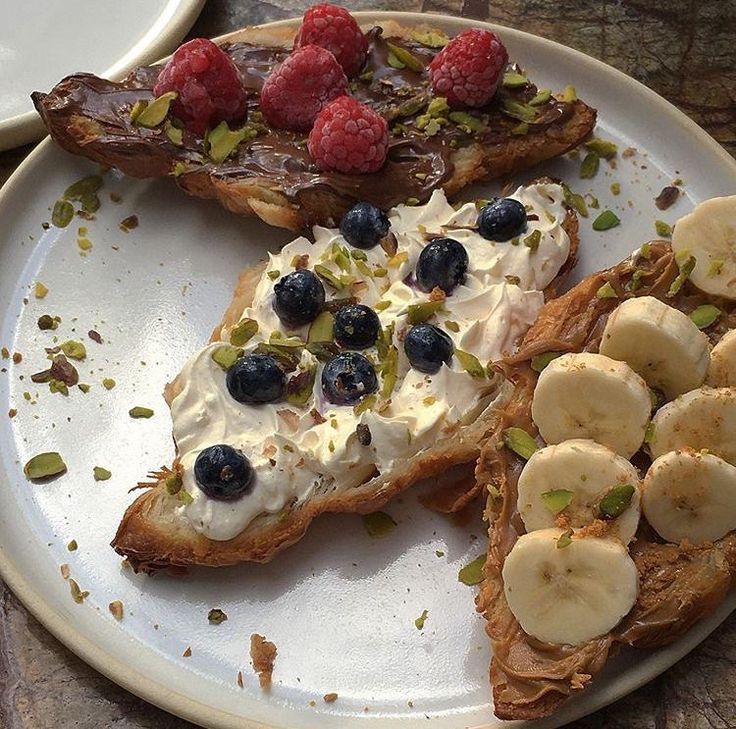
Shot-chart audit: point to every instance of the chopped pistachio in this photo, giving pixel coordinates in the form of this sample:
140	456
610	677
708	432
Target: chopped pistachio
72	546
542	97
85	388
419	622
73	349
393	61
469	122
602	147
472	573
62	213
137	109
575	201
174	134
324	273
108	383
358	255
606	220
379	272
363	267
411	202
520	129
569	94
589	166
85	244
173	483
396	260
381	305
715	267
185	497
686	263
533	240
331	446
178	169
273	275
615	501
116	609
513	280
453	326
664	230
44	465
429	400
649	434
101	474
86	186
606	291
39	290
378	524
418	313
520	442
406	57
430	38
322	328
140	412
616	188
565	539
645	251
557	500
365	403
592	201
216	616
516	110
299	388
366	76
389	371
514	80
58	386
46	322
470	363
78	595
540	361
156	111
243	331
226	356
705	315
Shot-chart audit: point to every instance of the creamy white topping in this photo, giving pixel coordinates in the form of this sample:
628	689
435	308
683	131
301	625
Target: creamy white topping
294	454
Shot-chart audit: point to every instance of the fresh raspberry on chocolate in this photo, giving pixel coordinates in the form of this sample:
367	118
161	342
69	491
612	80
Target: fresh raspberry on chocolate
349	137
468	70
335	29
208	83
298	89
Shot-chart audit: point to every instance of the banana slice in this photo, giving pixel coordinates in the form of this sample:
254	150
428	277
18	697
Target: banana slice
571	479
722	369
568	594
690	495
702	419
709	234
588	395
658	342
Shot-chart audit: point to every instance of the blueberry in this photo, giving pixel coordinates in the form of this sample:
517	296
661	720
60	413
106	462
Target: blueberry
356	326
427	347
298	297
223	473
255	379
443	263
502	219
364	225
347	377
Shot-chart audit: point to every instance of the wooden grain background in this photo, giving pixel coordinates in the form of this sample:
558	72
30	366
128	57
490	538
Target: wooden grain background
683	49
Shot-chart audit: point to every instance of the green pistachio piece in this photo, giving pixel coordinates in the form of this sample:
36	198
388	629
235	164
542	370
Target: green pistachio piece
90	203
108	383
58	386
378	524
649	434
174	134
453	326
520	129
715	268
389	371
381	305
72	546
326	275
178	169
557	500
438	107
222	141
606	292
533	240
74	350
278	340
358	255
101	474
468	121
243	331
516	110
589	165
645	251
430	38
185	497
322	329
542	97
173	483
393	60
686	263
406	57
472	573
287	357
470	363
569	94
513	280
418	313
62	213
323	351
520	442
366	76
84	387
615	501
300	387
216	616
419	622
664	230
616	188
540	361
606	220
602	147
366	403
565	539
78	594
137	109
514	80
363	267
411	106
575	201
705	315
226	356
156	111
44	465
46	321
140	412
86	186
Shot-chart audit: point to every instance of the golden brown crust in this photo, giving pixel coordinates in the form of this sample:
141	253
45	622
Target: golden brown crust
678	584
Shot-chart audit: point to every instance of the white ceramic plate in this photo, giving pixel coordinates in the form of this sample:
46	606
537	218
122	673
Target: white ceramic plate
340	606
42	40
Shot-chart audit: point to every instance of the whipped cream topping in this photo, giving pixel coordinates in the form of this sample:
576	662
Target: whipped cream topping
299	450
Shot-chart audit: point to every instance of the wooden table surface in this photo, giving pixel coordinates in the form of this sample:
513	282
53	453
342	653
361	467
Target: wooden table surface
684	50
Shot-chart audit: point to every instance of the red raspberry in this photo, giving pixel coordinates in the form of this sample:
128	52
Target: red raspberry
335	29
468	69
350	137
208	84
296	91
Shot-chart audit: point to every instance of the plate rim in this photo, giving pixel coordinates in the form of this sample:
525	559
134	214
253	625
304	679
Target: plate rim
27	126
203	714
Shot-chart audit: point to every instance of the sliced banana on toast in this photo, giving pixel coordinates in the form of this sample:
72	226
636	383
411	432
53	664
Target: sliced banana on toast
568	589
579	481
589	395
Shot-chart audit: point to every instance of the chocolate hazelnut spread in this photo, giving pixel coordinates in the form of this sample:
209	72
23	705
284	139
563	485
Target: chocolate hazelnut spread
678	584
91	116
